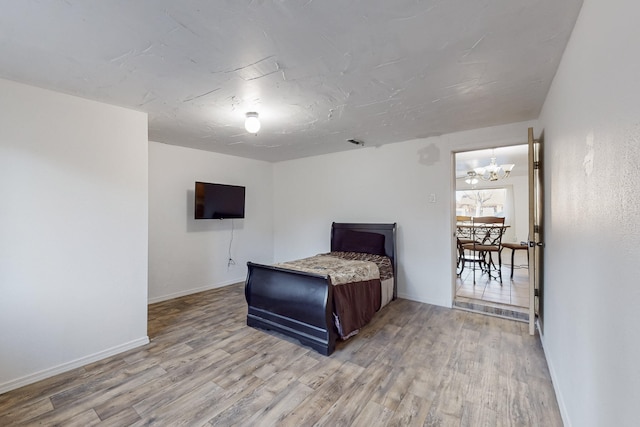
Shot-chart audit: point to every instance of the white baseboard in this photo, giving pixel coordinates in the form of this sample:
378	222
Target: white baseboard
423	300
554	380
50	372
153	300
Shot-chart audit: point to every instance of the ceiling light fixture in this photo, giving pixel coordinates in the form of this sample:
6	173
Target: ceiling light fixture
471	178
252	123
493	172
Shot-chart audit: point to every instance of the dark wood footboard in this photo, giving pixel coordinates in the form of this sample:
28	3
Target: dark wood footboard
297	304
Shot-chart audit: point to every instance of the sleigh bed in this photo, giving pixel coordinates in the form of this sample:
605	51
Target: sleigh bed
315	308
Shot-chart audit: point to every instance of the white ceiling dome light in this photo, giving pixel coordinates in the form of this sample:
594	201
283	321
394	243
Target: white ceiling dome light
252	123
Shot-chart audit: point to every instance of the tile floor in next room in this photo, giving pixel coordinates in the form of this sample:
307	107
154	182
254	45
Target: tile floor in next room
514	292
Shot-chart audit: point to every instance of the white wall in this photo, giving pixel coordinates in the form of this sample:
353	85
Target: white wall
591	121
387	184
188	255
73	232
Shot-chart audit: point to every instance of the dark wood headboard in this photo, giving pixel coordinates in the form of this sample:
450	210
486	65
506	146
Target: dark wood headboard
387	230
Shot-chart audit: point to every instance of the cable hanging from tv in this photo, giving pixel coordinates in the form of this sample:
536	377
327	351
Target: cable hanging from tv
230	262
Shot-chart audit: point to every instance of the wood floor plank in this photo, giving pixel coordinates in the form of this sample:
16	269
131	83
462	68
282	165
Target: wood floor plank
69	417
264	396
371	415
159	352
478	415
32	408
159	398
542	399
207	408
371	346
412	411
396	386
314	407
426	382
194	358
484	388
92	392
248	367
58	383
439	419
126	417
68	408
451	394
186	410
514	401
348	406
315	378
414	364
186	375
274	413
179	381
291	365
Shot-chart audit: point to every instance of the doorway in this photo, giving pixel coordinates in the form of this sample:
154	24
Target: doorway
495	284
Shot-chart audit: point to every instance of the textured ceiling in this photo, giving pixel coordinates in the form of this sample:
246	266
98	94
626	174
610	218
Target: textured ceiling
317	72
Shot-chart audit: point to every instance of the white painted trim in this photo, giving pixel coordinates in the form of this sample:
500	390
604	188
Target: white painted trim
554	380
194	291
50	372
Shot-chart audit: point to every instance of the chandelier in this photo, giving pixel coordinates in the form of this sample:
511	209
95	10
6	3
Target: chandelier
493	172
471	178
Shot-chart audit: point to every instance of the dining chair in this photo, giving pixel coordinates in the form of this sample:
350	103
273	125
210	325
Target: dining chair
464	234
487	239
465	255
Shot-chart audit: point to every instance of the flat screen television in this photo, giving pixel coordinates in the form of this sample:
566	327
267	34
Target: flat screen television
219	201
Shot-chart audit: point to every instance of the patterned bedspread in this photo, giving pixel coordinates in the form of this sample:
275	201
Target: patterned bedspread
357	284
383	262
341	269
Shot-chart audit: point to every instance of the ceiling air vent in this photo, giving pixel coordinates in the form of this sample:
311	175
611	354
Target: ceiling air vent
355	141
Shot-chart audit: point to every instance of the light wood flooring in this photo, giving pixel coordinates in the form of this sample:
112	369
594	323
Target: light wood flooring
513	292
415	364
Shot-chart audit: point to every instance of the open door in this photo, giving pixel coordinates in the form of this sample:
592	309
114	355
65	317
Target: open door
536	245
